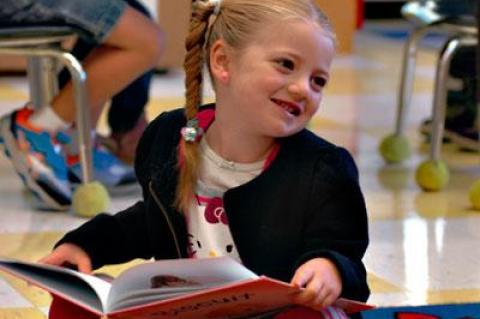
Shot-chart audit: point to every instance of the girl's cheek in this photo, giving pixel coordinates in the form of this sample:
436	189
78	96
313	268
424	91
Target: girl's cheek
274	80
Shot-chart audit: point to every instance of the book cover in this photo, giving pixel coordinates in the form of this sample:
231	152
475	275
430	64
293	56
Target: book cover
180	288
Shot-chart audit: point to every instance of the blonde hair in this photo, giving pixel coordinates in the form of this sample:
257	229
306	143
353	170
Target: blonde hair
235	22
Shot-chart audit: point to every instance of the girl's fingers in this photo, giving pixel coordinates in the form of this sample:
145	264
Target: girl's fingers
320	294
321	281
329	300
84	265
311	292
53	259
69	256
305	297
301	277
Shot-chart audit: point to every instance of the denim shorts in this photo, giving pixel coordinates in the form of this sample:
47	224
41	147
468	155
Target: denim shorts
455	7
95	18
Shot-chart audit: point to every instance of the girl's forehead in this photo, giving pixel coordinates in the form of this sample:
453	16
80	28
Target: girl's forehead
304	40
292	31
275	30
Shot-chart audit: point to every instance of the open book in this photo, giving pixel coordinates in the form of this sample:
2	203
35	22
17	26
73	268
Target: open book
180	288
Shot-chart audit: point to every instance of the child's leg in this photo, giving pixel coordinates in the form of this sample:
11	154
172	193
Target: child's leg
133	46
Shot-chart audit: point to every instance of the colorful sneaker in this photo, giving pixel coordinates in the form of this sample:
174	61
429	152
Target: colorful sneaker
107	169
37	158
124	144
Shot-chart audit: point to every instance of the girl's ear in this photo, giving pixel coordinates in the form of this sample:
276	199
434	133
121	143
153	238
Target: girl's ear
219	62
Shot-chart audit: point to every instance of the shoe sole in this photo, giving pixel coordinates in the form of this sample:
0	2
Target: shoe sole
19	162
466	144
426	130
450	136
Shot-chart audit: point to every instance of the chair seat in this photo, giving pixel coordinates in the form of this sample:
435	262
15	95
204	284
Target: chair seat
19	36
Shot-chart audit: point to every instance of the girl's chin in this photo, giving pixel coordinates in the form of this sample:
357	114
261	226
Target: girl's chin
285	131
283	128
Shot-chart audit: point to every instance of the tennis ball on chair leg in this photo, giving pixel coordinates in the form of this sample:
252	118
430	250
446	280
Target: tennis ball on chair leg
90	199
474	195
432	175
395	148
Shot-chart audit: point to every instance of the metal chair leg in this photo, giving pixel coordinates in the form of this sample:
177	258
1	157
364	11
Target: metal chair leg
407	77
81	100
43	48
440	91
79	80
41	72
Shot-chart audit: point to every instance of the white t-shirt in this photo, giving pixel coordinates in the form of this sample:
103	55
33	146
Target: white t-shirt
208	231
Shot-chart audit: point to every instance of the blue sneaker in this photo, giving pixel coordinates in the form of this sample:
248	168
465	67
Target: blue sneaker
107	169
37	158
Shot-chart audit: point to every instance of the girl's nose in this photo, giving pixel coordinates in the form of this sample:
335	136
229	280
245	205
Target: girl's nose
299	88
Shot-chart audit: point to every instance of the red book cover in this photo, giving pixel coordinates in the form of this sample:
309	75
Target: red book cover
180	288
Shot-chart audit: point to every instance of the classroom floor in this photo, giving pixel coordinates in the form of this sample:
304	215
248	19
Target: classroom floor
424	246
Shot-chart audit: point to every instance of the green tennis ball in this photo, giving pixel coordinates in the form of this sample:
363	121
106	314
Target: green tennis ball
395	148
90	199
474	195
432	175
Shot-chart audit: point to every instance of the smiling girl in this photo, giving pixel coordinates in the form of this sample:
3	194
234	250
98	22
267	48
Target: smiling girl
243	177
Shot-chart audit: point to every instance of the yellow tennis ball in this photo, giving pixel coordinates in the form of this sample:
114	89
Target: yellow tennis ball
432	175
394	148
90	199
474	195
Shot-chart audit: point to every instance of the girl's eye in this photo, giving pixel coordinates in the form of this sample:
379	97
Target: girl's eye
319	81
286	63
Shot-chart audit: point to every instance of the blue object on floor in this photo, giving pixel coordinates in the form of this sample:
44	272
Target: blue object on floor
450	311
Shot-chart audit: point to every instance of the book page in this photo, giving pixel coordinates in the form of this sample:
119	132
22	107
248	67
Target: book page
83	290
236	299
142	296
169	276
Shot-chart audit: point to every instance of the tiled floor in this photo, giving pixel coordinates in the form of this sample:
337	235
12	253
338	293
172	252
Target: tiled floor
424	246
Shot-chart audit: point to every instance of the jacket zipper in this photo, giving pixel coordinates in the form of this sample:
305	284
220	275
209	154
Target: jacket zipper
164	212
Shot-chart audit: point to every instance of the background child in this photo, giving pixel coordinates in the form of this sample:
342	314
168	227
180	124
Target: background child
126	117
243	177
129	45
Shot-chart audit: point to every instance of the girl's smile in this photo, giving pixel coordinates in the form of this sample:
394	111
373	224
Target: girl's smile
292	108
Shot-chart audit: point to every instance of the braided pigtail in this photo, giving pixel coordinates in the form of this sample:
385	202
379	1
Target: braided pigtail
193	65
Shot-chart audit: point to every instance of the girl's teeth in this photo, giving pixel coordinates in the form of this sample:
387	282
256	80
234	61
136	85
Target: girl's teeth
288	108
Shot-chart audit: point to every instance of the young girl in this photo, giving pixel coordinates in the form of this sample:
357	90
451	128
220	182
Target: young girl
243	177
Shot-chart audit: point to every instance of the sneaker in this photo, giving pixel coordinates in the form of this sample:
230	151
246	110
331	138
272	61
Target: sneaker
465	138
124	144
37	158
461	113
107	169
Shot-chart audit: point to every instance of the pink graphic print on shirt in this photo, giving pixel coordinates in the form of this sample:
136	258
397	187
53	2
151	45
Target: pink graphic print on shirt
212	220
214	212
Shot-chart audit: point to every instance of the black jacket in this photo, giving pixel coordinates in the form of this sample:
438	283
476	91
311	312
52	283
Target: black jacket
306	204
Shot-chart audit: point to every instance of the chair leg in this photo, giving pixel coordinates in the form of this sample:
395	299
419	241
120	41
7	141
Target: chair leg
79	78
407	77
91	197
42	79
440	91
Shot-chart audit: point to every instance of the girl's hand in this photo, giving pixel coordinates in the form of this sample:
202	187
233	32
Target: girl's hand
322	283
69	255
